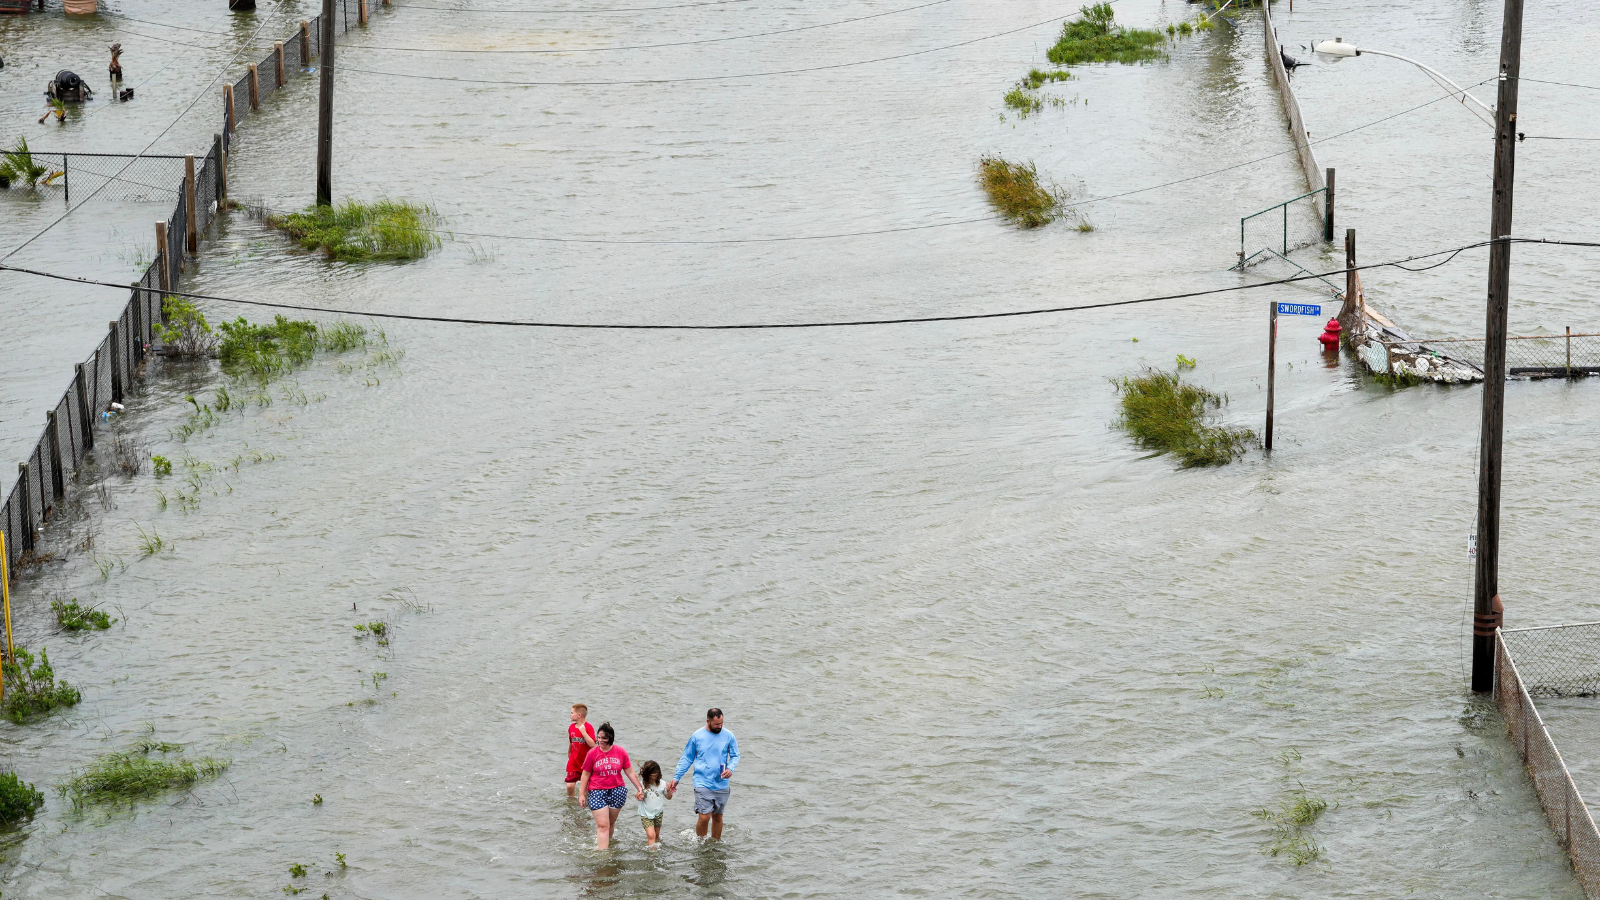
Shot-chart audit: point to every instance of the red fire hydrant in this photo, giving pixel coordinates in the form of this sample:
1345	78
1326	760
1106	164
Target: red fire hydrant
1330	336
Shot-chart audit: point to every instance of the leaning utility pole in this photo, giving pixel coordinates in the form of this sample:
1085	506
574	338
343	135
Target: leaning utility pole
325	112
1486	577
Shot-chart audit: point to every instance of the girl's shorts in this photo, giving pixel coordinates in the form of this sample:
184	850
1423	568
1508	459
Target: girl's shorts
615	798
653	823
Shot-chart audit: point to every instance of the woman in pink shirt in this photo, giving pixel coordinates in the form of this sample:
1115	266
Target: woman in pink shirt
601	788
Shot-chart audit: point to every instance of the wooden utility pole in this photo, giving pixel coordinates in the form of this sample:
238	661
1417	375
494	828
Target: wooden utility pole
1272	367
325	112
1486	576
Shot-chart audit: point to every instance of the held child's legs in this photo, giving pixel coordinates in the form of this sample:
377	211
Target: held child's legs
602	828
716	826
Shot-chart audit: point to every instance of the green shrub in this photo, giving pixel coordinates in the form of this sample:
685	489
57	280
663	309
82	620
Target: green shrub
72	617
1023	102
31	689
18	799
186	333
359	232
161	465
263	352
17	166
1095	37
1017	192
1164	414
129	775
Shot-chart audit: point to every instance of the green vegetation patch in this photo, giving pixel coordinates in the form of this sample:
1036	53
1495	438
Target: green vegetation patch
263	352
1095	37
361	232
1017	192
73	617
146	770
17	166
1168	415
1290	823
186	332
32	692
18	799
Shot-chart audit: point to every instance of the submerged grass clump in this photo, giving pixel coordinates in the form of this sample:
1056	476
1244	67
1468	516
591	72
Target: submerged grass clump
1016	190
1023	102
73	617
262	352
18	799
361	232
1290	823
1165	414
1095	37
32	692
148	769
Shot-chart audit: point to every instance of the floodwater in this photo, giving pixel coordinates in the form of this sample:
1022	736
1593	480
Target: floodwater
972	641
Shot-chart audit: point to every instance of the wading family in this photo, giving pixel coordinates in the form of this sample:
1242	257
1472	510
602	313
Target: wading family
597	766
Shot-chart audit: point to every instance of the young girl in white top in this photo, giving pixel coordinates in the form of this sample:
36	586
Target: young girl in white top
652	801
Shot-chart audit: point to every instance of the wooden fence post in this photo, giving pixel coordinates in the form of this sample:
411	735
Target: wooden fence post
305	44
164	265
138	316
85	423
116	362
363	9
227	102
222	173
255	88
57	485
189	204
277	63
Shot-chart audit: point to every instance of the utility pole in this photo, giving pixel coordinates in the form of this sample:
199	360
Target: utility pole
1486	576
325	112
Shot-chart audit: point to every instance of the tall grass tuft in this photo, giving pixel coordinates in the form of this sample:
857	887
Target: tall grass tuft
1095	37
144	771
360	232
1017	192
1291	823
1165	414
263	352
32	692
72	616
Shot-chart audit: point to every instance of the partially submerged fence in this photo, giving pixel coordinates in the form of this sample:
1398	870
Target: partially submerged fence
1291	106
1561	661
1534	356
200	188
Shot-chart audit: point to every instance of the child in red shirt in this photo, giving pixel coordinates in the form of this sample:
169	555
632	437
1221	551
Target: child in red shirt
580	737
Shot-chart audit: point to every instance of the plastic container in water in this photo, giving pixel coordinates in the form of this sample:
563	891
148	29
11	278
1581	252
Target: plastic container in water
80	7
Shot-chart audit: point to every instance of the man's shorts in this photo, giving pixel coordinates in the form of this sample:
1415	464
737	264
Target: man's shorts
615	798
707	801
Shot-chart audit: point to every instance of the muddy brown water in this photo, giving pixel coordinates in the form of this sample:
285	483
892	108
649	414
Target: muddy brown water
973	643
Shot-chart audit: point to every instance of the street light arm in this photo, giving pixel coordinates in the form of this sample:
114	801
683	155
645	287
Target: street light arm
1436	74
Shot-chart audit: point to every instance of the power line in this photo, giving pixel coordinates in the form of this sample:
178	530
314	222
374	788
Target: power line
1590	87
716	40
773	326
554	12
846	65
1547	137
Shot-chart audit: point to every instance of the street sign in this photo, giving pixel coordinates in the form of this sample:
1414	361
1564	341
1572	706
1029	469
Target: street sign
1298	309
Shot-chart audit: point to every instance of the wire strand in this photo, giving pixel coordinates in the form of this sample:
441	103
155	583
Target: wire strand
776	326
554	12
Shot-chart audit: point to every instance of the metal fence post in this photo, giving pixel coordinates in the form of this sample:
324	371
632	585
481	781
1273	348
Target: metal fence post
116	362
138	322
163	264
1327	224
305	44
85	424
66	180
190	219
1569	351
57	486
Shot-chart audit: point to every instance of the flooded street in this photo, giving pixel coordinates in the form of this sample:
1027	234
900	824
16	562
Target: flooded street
973	642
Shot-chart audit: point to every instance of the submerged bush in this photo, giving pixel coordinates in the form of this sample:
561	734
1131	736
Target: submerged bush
73	617
358	232
1015	190
1165	414
18	166
130	775
31	690
1095	37
186	333
18	799
264	352
1023	102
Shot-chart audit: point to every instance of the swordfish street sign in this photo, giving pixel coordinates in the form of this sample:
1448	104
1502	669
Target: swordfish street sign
1299	309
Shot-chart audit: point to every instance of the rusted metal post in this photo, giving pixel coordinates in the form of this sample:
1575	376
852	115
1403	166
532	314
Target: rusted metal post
116	362
58	487
85	423
189	204
1350	278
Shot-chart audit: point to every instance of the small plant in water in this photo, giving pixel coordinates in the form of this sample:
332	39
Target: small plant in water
358	232
18	799
186	333
316	799
145	770
1290	823
73	617
297	871
1016	190
1165	414
151	543
1186	362
32	692
339	857
161	465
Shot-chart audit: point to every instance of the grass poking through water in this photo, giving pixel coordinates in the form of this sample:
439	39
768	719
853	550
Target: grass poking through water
73	617
1017	191
1290	824
1095	37
1166	414
359	232
145	770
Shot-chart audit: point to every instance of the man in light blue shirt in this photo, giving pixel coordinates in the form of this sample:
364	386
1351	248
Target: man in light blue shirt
713	751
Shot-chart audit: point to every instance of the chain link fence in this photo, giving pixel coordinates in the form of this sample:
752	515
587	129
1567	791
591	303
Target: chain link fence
1563	661
109	374
1537	356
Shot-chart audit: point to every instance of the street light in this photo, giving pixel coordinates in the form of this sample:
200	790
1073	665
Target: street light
1337	47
